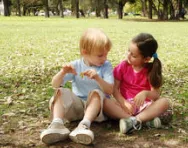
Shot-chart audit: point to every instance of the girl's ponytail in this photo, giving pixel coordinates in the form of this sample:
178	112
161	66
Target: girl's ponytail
155	73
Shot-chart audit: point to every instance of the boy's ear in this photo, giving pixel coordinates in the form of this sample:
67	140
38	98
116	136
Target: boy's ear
147	59
83	52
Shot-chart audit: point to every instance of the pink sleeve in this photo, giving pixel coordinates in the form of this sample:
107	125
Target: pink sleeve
118	71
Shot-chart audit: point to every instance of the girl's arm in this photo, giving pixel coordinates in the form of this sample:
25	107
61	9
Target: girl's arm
152	94
122	101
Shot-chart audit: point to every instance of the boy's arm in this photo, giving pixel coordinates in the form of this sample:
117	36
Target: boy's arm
105	86
57	79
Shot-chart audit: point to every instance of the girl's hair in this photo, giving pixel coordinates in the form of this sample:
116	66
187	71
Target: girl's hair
147	46
94	40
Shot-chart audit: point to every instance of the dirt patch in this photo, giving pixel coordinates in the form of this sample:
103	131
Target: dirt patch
106	136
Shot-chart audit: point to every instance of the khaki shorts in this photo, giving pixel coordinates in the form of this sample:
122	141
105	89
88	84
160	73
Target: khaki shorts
74	106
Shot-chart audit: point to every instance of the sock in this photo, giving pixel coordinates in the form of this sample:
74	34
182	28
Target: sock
86	122
59	120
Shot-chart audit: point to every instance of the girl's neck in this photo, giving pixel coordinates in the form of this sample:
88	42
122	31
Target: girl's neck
137	68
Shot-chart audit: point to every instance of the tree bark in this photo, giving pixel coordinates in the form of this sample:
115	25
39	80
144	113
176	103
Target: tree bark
61	8
150	9
77	8
97	11
46	8
105	9
165	9
18	7
6	7
144	8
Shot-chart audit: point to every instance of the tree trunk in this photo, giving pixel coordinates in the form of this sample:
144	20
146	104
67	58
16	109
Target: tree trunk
46	8
165	9
6	7
18	7
77	8
105	9
97	11
150	9
120	10
144	8
61	8
172	11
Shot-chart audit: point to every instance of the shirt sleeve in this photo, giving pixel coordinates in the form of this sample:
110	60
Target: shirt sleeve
118	71
108	73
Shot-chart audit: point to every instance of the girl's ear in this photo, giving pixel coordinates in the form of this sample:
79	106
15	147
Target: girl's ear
147	59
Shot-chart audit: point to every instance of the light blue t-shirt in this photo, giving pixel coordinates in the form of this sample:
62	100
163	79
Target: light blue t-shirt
82	86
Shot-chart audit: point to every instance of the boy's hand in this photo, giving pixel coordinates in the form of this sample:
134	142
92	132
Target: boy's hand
68	68
140	98
92	74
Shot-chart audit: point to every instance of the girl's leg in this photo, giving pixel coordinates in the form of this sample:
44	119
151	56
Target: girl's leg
114	110
154	110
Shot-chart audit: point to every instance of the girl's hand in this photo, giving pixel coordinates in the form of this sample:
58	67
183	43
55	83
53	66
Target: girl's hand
140	98
92	74
128	108
68	68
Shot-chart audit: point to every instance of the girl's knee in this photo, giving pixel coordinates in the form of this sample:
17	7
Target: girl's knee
166	102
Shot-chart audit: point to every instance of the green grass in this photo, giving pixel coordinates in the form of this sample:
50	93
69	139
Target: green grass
33	49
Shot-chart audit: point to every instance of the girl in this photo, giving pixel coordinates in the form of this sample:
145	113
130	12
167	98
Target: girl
137	86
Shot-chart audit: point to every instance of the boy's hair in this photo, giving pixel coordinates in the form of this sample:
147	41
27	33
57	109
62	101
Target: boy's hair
147	46
94	40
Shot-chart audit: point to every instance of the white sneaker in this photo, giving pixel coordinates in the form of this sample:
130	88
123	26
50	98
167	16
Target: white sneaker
155	123
54	133
82	134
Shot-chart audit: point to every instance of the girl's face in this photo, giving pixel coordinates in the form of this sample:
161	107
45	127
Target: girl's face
134	57
95	59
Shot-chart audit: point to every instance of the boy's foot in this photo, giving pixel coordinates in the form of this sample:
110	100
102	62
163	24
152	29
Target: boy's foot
155	123
128	125
56	132
82	134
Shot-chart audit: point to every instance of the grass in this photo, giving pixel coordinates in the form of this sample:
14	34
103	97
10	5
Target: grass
33	49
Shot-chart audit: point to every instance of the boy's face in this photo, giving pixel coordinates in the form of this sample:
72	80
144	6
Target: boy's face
96	59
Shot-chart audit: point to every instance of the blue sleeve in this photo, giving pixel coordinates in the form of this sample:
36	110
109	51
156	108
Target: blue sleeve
108	72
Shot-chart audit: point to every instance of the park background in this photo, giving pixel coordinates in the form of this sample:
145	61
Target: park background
34	48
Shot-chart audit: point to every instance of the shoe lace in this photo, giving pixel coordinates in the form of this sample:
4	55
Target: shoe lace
138	125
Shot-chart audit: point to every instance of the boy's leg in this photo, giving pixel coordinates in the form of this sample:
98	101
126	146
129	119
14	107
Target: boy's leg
64	105
82	134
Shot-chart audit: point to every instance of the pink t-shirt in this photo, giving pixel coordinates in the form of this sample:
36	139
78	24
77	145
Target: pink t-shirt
131	82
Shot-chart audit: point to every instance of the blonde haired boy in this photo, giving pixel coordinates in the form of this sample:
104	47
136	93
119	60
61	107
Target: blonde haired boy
92	82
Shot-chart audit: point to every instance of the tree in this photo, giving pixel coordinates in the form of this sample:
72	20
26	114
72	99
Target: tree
61	8
46	8
144	7
105	9
18	7
7	4
77	8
